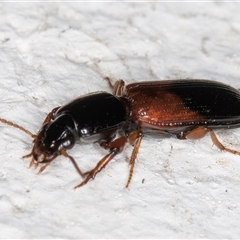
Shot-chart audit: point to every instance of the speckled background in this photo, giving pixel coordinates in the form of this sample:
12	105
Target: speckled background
53	52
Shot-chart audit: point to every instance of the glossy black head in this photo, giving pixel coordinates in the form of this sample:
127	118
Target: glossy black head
54	136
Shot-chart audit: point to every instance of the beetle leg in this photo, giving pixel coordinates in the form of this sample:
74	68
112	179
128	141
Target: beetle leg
117	87
200	132
65	154
219	144
135	138
193	134
115	147
50	115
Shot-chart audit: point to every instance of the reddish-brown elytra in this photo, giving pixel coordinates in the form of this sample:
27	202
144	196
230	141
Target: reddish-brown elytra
187	109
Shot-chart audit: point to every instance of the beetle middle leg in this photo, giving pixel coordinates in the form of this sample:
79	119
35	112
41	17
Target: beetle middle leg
135	138
116	146
200	132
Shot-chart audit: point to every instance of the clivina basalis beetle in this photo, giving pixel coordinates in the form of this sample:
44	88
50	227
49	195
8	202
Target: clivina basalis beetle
186	109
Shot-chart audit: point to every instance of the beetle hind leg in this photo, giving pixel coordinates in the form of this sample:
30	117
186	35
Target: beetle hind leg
220	145
200	132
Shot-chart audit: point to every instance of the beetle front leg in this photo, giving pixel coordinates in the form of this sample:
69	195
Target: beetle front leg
115	147
200	132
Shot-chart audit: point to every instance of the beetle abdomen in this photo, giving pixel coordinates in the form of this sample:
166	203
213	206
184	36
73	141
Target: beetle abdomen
162	104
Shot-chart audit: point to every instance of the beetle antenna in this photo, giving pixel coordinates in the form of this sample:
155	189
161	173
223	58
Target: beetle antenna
17	126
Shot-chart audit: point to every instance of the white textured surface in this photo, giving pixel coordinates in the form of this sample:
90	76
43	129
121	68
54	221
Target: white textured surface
53	52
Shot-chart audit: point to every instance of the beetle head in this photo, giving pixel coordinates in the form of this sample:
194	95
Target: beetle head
53	137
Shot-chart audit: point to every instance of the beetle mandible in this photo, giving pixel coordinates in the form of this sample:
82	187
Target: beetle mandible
187	109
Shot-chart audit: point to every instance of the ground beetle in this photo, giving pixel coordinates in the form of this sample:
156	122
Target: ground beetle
187	109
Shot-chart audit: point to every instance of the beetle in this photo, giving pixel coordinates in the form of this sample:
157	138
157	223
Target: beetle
186	109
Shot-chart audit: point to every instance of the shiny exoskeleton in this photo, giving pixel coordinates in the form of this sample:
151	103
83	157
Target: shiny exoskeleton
187	109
